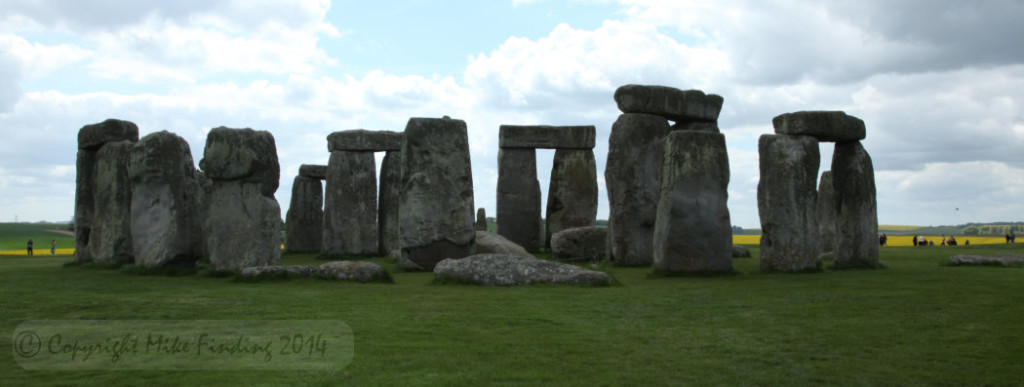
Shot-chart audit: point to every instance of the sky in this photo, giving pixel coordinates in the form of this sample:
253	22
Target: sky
939	83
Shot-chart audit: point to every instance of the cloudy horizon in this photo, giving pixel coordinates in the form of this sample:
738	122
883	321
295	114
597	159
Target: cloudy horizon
939	84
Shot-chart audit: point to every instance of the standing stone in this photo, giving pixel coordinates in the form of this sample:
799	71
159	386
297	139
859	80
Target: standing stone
787	202
572	192
90	139
110	240
304	224
669	102
387	210
633	177
481	219
518	198
827	213
166	223
581	243
436	206
693	233
243	223
350	209
853	178
203	194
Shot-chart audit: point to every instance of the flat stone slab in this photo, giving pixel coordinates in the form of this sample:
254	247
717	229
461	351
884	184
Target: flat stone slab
546	137
95	135
313	171
987	260
512	270
669	102
362	140
359	271
828	126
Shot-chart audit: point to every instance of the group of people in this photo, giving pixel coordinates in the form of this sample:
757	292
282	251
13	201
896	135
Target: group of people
919	240
53	247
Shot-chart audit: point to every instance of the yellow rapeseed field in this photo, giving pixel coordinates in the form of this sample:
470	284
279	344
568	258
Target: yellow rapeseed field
40	252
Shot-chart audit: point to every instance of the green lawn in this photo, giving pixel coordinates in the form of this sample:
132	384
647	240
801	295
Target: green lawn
915	322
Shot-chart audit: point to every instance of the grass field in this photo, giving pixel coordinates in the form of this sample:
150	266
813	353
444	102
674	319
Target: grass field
14	238
915	322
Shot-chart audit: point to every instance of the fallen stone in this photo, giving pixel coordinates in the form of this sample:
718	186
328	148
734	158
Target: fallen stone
633	178
572	192
589	243
318	172
829	126
350	205
167	218
692	232
740	251
361	140
546	137
987	260
304	223
856	207
787	202
491	243
95	135
512	270
242	155
436	205
110	239
518	198
280	271
359	271
671	103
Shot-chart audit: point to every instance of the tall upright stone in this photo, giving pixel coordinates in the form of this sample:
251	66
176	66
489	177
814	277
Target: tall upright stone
243	223
436	206
518	197
110	240
633	177
692	232
787	202
853	179
350	208
572	193
166	212
90	139
826	213
481	219
304	223
387	209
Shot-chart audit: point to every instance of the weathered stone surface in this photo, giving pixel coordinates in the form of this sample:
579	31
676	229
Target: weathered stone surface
669	102
830	126
243	155
572	192
518	198
243	219
512	270
589	243
481	219
546	137
276	271
787	202
313	171
853	177
95	135
166	217
387	209
359	271
633	178
987	260
110	240
740	251
361	140
491	243
84	203
826	213
692	233
697	126
304	223
203	195
350	208
436	205
243	227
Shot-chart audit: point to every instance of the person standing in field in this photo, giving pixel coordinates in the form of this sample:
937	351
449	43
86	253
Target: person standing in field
30	246
943	240
53	247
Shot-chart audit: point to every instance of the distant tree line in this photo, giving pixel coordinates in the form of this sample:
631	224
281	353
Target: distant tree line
993	229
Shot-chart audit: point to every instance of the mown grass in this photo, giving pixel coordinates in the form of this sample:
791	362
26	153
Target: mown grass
915	322
14	237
